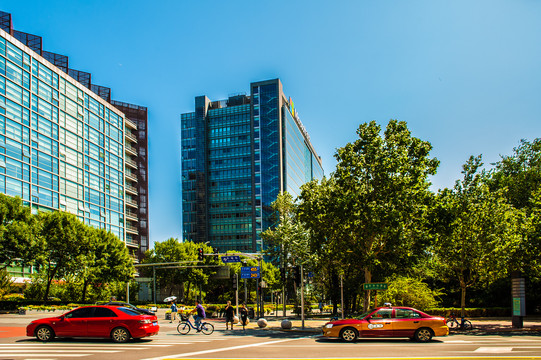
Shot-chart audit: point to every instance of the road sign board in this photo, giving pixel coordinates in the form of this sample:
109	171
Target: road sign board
375	286
310	274
250	272
230	258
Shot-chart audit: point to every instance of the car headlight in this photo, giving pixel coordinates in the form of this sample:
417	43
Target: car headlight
328	326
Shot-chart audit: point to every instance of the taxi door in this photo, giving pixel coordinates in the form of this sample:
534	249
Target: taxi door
378	324
407	321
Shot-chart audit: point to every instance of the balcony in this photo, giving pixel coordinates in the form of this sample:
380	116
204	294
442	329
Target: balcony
132	203
131	163
130	124
131	176
131	189
131	229
131	215
130	136
131	150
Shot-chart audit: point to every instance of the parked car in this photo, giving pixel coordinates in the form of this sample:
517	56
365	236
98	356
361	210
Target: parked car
124	304
115	322
388	322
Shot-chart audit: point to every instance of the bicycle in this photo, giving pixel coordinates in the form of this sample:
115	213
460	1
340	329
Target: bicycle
454	324
185	325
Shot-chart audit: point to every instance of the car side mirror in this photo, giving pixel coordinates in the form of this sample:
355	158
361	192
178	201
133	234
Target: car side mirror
61	317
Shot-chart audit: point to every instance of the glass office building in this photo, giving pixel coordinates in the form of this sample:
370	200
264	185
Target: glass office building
63	144
237	155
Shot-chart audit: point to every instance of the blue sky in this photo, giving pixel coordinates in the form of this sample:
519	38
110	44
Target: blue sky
464	75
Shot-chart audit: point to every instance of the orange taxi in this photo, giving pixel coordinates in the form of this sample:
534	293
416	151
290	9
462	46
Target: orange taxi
396	321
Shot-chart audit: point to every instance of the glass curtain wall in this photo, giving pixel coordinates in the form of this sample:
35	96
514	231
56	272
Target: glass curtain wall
60	147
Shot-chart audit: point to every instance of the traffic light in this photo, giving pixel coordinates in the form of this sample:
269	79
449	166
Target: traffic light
283	274
201	254
235	285
297	271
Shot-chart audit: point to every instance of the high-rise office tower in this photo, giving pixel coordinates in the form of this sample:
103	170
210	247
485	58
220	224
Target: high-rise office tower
64	145
237	156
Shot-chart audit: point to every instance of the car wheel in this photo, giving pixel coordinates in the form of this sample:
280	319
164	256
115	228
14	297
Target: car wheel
349	334
120	335
44	333
423	335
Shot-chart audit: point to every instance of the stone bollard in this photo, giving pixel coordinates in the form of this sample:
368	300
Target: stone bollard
286	324
262	323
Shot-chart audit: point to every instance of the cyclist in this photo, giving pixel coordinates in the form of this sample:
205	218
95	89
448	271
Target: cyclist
200	314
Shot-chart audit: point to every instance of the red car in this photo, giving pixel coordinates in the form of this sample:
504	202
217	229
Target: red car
388	322
118	323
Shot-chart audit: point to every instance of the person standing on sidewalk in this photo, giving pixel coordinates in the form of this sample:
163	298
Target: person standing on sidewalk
174	311
229	315
243	316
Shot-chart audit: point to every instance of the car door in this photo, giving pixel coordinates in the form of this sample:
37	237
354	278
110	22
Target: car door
378	324
74	323
407	321
102	322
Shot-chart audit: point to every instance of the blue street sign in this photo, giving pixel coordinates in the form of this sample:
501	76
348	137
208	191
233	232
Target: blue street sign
230	258
250	272
310	274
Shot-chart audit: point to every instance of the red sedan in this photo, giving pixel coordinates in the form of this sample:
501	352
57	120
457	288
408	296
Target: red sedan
118	323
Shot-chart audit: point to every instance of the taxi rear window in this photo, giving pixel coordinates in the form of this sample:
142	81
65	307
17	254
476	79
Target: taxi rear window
406	314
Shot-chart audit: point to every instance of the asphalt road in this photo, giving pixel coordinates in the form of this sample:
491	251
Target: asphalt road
261	344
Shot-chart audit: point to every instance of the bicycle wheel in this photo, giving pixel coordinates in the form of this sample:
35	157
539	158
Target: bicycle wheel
183	328
467	325
452	324
207	328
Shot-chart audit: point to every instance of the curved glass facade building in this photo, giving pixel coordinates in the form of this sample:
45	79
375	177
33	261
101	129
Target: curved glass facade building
65	145
237	155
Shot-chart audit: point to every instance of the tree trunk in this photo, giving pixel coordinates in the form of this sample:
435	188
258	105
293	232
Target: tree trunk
49	281
462	298
85	284
367	279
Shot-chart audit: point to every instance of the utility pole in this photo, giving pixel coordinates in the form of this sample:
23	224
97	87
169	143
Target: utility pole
154	277
342	294
237	293
302	298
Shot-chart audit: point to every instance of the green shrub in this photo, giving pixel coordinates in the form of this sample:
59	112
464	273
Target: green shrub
412	292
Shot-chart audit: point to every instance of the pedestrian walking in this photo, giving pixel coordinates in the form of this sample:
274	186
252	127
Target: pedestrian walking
243	316
200	310
174	311
229	315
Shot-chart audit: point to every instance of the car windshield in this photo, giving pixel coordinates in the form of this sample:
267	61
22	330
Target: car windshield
131	312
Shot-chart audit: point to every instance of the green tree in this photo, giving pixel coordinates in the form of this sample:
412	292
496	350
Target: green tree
181	281
476	231
409	291
109	260
5	282
518	178
287	242
378	200
18	231
66	250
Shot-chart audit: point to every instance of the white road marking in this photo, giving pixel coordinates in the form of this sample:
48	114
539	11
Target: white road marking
41	351
56	355
220	349
494	350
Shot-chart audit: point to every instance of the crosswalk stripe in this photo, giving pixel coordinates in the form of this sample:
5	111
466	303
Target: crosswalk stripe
41	351
56	355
